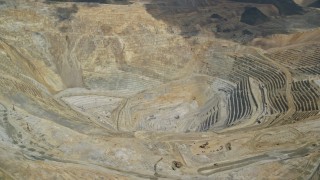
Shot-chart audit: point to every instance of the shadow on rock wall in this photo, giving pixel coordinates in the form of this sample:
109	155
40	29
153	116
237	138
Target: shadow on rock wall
285	7
237	20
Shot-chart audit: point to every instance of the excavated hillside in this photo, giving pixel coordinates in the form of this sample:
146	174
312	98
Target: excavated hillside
159	89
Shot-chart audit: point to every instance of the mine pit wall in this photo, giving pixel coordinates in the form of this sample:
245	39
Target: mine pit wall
63	59
234	103
73	46
60	66
210	114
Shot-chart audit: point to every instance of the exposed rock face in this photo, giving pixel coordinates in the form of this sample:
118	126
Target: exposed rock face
167	89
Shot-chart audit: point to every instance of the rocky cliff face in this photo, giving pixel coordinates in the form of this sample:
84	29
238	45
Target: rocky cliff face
159	89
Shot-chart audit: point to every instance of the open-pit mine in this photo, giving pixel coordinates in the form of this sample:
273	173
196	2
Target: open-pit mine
160	89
